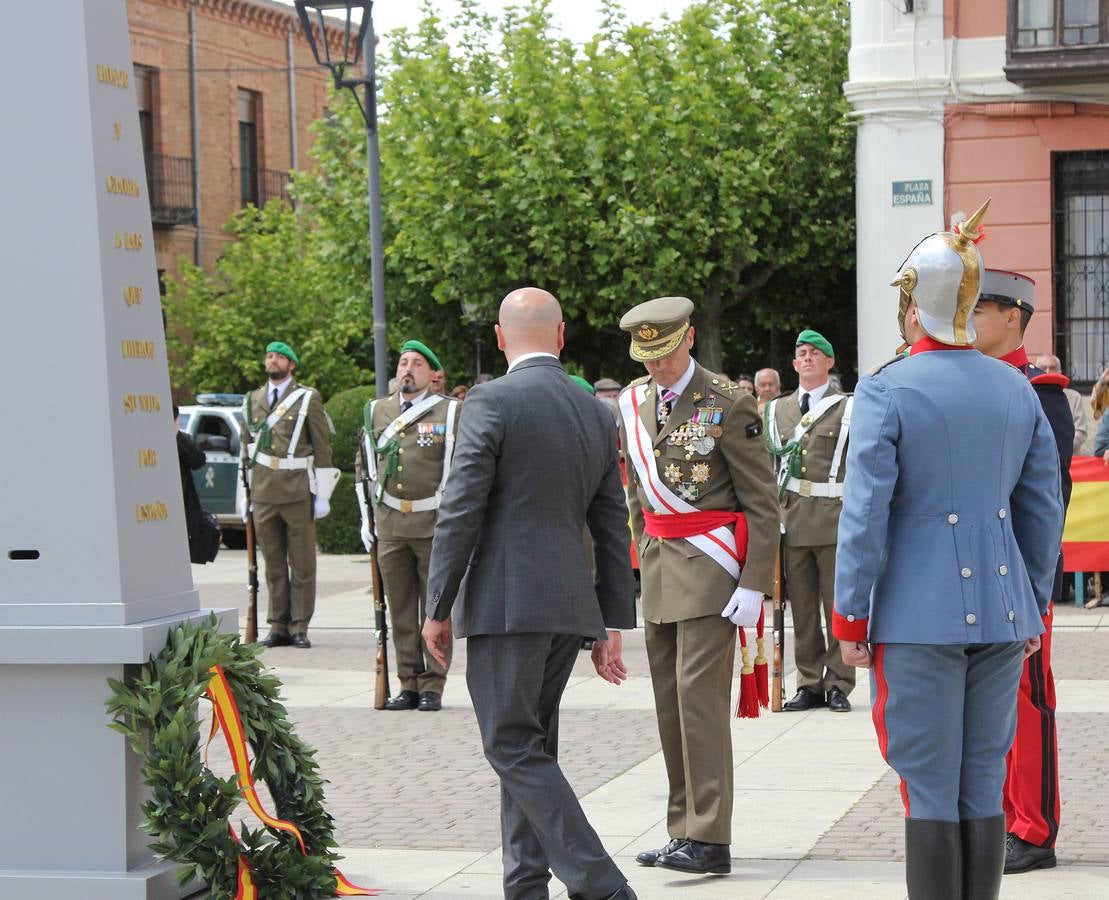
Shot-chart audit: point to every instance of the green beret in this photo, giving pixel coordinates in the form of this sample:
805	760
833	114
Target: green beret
282	348
424	351
815	339
583	384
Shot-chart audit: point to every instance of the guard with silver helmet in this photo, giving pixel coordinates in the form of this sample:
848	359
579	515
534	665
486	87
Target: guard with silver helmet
942	575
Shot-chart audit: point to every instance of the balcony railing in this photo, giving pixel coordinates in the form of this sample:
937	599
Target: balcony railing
260	186
171	190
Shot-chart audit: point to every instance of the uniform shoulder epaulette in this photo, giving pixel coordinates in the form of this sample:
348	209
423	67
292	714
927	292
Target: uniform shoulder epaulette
642	380
889	362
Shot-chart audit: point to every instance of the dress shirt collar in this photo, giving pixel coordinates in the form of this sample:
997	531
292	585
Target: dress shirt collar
526	356
681	384
816	394
401	399
281	386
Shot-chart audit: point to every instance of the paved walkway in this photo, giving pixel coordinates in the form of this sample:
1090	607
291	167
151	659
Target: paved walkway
817	814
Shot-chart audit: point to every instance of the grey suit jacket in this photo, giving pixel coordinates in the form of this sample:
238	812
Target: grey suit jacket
534	463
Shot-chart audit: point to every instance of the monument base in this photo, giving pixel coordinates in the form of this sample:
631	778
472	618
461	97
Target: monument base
72	787
157	881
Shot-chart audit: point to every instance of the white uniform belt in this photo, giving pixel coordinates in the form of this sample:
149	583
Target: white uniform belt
282	462
409	505
807	488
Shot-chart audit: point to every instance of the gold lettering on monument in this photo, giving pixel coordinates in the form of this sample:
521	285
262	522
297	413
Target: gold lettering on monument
128	240
148	458
126	186
138	349
148	403
119	130
132	295
151	512
110	75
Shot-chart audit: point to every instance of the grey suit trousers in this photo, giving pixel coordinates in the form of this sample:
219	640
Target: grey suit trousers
516	682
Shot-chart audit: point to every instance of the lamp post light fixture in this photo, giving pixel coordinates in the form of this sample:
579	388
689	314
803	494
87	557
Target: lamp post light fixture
358	42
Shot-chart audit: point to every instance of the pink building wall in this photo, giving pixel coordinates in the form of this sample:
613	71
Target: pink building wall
973	18
1004	150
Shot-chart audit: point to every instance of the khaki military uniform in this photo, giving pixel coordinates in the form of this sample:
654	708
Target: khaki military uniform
404	530
811	524
280	490
690	646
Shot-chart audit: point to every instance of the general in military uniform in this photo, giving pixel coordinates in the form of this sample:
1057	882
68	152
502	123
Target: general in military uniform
807	431
1032	807
286	440
705	521
948	541
408	441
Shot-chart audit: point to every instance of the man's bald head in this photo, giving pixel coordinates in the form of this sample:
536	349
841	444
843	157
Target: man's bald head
530	322
1049	362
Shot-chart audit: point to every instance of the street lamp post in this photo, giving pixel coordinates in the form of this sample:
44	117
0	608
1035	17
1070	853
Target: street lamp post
360	43
475	313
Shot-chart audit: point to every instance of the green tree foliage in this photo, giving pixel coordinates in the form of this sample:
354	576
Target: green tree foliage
708	156
346	410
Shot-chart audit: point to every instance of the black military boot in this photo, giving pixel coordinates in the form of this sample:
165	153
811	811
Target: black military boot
983	857
933	860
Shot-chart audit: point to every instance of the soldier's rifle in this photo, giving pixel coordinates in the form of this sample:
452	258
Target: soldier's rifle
778	631
251	562
381	623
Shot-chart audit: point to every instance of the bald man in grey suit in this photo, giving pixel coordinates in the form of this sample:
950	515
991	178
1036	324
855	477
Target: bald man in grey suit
534	463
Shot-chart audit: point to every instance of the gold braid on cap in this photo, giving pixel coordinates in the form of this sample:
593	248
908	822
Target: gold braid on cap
968	234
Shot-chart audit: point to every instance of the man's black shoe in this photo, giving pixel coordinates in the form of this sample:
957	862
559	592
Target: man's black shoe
273	639
430	702
650	857
837	701
403	700
1021	856
699	858
300	640
804	699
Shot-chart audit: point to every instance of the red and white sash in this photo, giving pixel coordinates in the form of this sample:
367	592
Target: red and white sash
719	543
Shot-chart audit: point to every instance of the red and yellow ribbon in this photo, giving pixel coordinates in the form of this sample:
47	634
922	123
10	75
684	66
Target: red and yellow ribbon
228	719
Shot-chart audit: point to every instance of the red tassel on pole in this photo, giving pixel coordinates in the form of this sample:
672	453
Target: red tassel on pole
748	706
762	669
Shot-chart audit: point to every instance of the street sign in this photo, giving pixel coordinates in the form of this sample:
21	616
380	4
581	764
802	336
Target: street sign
912	193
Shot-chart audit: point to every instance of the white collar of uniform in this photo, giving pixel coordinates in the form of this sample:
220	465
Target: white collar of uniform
681	384
815	395
281	387
526	356
401	399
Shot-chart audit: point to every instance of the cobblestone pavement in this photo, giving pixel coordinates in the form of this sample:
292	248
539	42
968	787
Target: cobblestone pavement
416	805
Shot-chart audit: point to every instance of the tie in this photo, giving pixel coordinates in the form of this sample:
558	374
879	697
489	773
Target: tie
667	404
405	406
804	402
273	397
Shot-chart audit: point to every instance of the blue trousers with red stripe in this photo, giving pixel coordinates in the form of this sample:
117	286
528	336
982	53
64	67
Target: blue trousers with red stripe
945	717
1032	778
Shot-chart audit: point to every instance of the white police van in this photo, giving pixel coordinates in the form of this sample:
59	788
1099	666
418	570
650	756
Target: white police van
214	422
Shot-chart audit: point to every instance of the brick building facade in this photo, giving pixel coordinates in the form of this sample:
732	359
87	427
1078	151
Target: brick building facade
258	89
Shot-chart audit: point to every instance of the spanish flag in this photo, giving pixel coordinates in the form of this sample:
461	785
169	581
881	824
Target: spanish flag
1086	533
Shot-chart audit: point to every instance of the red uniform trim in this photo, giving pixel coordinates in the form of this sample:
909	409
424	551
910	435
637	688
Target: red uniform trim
849	631
878	714
1018	358
1056	378
926	344
681	525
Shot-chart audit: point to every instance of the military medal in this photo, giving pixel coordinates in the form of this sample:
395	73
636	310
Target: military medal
696	396
687	490
716	431
700	473
673	473
705	445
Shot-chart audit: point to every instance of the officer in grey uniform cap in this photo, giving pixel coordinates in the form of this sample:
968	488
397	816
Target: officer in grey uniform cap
947	547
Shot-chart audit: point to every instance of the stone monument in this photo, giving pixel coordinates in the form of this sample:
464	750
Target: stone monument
94	566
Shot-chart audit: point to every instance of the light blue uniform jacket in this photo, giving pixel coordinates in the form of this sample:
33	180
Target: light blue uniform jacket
952	511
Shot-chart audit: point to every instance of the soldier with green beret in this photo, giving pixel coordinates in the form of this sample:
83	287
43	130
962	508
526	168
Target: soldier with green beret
705	522
808	432
405	454
286	451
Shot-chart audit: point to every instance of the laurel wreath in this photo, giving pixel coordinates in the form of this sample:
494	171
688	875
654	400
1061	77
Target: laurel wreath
188	809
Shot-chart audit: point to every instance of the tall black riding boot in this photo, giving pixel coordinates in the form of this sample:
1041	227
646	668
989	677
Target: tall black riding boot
933	860
983	857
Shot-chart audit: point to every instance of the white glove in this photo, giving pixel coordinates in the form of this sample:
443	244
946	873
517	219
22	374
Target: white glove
367	536
321	507
243	509
744	607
